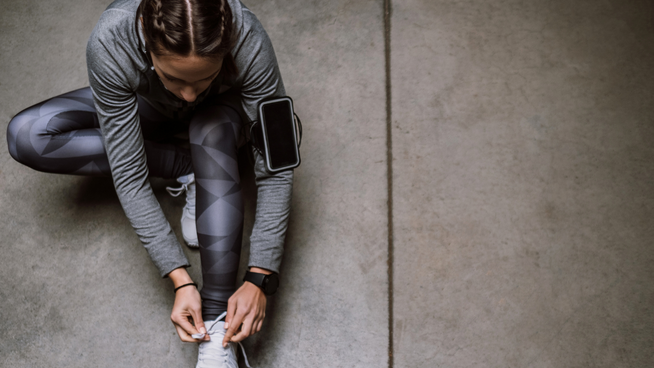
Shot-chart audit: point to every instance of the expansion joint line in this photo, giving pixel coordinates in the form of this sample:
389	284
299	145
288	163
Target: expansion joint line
389	171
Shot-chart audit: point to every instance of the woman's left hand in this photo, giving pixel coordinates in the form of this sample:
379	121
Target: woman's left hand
187	310
246	310
187	314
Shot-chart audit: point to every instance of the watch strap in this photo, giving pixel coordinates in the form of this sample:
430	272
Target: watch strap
255	278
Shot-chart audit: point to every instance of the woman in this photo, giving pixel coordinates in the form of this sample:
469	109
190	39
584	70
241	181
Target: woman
158	68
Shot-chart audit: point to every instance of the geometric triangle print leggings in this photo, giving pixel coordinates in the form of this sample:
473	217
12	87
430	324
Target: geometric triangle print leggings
62	135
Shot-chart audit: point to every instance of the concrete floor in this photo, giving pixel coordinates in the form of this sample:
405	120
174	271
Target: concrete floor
522	194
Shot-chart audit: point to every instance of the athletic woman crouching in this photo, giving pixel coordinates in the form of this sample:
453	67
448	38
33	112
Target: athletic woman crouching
158	68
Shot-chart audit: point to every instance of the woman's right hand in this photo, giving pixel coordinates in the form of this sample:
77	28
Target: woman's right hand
187	310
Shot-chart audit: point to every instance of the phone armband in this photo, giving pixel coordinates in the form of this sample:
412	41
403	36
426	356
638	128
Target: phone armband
277	134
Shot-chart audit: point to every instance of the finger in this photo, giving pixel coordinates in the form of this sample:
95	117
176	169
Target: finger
185	324
253	326
246	330
201	337
258	321
231	309
233	328
197	321
183	335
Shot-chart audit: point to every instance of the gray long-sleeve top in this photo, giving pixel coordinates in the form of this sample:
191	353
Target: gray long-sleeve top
119	68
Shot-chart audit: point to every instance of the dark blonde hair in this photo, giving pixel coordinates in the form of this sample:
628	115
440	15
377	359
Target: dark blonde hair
187	27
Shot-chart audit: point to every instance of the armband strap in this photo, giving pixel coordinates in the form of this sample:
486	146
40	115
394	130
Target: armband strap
190	283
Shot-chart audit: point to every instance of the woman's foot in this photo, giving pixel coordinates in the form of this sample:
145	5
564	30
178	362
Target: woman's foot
189	231
211	354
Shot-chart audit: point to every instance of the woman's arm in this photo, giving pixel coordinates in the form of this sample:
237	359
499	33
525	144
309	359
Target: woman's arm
113	80
261	79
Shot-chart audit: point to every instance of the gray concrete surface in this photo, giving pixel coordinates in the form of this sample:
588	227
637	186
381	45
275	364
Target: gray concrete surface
523	179
522	194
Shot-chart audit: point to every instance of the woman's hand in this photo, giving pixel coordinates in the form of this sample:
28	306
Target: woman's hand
187	310
246	310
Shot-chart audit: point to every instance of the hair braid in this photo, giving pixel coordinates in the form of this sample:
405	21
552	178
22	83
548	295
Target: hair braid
222	17
158	16
186	27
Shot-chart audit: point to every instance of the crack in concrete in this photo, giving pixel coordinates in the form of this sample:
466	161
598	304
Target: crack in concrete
389	173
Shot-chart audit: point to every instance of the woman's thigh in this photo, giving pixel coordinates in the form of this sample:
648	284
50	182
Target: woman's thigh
62	134
38	136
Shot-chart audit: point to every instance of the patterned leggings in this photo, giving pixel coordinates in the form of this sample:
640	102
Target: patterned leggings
62	135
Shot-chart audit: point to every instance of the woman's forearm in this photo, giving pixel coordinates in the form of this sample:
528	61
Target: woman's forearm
179	276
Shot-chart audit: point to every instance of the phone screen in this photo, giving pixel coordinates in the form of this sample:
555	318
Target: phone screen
280	134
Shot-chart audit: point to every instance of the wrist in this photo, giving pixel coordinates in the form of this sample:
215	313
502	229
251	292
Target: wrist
180	276
260	270
252	286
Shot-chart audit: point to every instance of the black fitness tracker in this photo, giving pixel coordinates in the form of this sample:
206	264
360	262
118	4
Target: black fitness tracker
267	283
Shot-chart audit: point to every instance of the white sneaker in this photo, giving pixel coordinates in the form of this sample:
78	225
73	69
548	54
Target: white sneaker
211	354
189	231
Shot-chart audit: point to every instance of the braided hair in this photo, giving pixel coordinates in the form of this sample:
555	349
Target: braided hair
187	27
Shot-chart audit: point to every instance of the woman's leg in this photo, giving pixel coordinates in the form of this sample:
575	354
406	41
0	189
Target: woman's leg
213	135
62	135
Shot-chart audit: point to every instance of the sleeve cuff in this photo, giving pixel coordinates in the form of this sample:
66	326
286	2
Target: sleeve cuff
167	254
266	255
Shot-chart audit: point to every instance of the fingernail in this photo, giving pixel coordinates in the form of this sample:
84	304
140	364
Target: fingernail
203	330
226	325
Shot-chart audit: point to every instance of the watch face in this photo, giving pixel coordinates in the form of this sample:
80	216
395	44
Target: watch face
271	284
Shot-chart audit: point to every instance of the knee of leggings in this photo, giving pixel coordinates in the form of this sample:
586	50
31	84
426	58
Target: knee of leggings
225	134
218	132
13	132
19	140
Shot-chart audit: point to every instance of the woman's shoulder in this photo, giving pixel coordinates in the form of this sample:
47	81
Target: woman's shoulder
248	29
117	22
114	44
126	5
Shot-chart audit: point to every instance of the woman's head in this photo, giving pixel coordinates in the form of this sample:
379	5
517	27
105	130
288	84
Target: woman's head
188	41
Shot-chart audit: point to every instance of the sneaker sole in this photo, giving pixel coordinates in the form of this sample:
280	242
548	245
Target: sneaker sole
192	245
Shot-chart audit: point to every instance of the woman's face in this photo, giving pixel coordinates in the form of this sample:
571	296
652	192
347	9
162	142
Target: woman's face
186	76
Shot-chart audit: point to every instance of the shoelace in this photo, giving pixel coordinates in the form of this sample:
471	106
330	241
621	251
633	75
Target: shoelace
245	357
190	196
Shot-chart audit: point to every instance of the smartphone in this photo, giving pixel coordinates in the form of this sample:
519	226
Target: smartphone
280	143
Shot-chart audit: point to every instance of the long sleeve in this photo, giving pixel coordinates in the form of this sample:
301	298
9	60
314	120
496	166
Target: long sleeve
115	100
257	63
